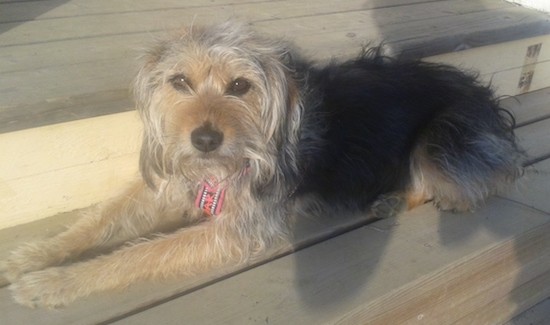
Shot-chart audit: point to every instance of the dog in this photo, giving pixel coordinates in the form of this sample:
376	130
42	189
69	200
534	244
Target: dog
241	132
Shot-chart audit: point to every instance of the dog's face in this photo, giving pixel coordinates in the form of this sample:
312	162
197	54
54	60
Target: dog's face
210	104
213	103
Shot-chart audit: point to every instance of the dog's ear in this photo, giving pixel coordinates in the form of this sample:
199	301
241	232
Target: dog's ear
281	115
282	107
147	80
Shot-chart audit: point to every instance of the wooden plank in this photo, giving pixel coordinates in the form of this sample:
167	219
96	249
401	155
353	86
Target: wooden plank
466	31
21	11
420	266
137	21
482	59
31	198
517	301
424	37
64	109
506	82
492	275
272	13
71	53
504	74
50	148
83	80
24	57
66	166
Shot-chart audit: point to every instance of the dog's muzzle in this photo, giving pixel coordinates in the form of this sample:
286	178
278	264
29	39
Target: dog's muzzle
205	138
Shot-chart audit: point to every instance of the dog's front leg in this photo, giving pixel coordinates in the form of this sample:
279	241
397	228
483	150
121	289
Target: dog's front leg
134	213
186	252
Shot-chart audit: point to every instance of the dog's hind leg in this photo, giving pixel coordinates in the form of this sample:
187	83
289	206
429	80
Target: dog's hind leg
431	183
130	215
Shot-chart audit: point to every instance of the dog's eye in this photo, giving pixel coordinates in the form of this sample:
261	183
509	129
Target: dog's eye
179	82
238	87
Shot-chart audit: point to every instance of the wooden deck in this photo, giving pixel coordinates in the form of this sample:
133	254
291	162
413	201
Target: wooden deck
68	136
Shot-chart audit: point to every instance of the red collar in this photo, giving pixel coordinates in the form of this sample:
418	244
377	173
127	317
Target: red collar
211	194
210	197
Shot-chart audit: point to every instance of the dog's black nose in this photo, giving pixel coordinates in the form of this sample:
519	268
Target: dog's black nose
205	138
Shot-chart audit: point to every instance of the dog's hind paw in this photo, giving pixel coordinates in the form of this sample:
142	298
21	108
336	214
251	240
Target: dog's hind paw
454	207
388	205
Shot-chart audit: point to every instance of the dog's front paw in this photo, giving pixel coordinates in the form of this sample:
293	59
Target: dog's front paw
27	258
49	288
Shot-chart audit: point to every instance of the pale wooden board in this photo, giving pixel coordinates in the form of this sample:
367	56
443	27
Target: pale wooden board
62	167
53	147
497	57
502	73
506	82
392	271
32	198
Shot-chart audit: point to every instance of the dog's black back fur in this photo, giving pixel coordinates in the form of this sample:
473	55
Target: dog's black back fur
362	120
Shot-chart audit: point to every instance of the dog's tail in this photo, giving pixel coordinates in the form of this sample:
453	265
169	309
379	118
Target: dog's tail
468	151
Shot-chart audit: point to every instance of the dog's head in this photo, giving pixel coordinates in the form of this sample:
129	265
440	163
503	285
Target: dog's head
215	101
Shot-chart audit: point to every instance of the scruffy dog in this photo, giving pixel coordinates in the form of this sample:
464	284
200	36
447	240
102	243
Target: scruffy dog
241	132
